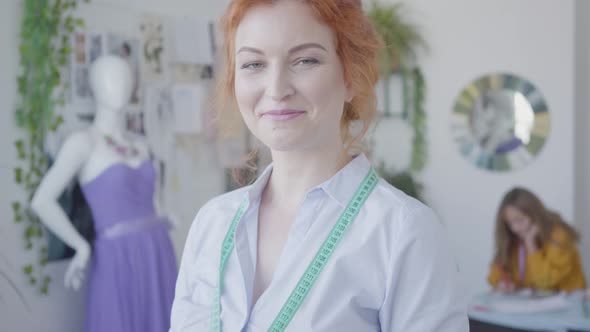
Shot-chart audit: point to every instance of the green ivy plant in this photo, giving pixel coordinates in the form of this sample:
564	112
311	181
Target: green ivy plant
44	49
417	117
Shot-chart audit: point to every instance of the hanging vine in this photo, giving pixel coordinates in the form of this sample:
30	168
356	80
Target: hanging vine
44	49
418	121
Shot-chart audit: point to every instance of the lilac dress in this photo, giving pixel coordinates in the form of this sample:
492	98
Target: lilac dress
133	265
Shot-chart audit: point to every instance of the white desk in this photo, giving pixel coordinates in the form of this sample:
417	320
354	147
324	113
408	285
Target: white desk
574	317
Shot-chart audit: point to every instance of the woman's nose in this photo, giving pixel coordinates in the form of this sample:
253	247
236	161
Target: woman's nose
279	85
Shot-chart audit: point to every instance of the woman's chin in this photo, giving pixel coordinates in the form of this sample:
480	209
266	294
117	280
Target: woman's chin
284	143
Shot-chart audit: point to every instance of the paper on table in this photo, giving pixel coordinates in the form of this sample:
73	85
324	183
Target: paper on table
531	305
187	102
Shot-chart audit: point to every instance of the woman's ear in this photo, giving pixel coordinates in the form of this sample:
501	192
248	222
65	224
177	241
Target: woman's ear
349	93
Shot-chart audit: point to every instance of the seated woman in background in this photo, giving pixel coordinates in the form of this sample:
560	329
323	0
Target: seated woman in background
535	248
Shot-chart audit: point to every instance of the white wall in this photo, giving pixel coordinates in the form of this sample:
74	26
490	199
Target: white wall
532	38
582	134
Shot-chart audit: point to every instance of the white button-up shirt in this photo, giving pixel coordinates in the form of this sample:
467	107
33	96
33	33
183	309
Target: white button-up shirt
392	270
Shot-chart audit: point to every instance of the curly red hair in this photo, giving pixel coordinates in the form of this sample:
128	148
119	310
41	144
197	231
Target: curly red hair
358	45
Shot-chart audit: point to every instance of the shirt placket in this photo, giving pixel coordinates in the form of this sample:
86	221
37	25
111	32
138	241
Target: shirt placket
266	307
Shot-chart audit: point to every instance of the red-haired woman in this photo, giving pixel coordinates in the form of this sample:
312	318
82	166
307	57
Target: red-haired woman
318	242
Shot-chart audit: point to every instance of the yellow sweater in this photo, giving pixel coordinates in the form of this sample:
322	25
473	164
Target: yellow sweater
556	266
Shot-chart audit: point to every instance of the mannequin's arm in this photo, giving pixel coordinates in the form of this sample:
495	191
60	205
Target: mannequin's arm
70	159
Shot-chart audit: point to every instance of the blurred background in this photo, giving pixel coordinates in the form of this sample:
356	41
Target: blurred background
438	134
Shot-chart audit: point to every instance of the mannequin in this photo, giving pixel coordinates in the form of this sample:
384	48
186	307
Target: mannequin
132	261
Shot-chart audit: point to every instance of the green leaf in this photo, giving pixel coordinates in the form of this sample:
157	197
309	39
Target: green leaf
30	232
28	269
22	84
20	148
16	207
18	175
59	120
43	160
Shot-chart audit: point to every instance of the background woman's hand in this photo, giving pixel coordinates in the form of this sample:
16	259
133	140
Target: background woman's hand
506	287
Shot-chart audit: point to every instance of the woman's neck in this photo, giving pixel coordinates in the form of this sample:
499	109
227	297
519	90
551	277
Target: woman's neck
109	122
294	173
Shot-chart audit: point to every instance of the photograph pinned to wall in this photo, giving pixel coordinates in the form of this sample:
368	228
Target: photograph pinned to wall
129	49
87	47
153	57
96	46
80	48
191	73
81	86
134	120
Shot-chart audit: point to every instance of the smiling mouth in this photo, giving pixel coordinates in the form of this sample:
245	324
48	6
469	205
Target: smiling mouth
282	115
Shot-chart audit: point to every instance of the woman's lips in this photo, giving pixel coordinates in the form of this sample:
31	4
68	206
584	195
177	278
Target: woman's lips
282	115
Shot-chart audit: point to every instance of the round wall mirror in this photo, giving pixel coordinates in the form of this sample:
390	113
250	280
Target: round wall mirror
500	122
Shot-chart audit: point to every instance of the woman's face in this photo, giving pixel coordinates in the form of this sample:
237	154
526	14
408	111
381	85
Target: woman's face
518	222
289	80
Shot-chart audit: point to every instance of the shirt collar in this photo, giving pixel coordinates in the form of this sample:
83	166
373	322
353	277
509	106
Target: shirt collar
255	191
340	187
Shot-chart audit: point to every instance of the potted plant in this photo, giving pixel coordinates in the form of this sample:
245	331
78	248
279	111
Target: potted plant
402	42
402	39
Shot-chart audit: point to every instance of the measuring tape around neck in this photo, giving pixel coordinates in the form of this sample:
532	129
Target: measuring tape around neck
313	270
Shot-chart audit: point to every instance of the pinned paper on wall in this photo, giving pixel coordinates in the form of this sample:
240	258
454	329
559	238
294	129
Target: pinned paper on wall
159	120
187	101
154	66
87	46
192	41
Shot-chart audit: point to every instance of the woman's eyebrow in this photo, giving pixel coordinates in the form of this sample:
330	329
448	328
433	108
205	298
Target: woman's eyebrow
292	50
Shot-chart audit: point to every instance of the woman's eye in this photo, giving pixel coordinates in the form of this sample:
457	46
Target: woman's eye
307	61
252	65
